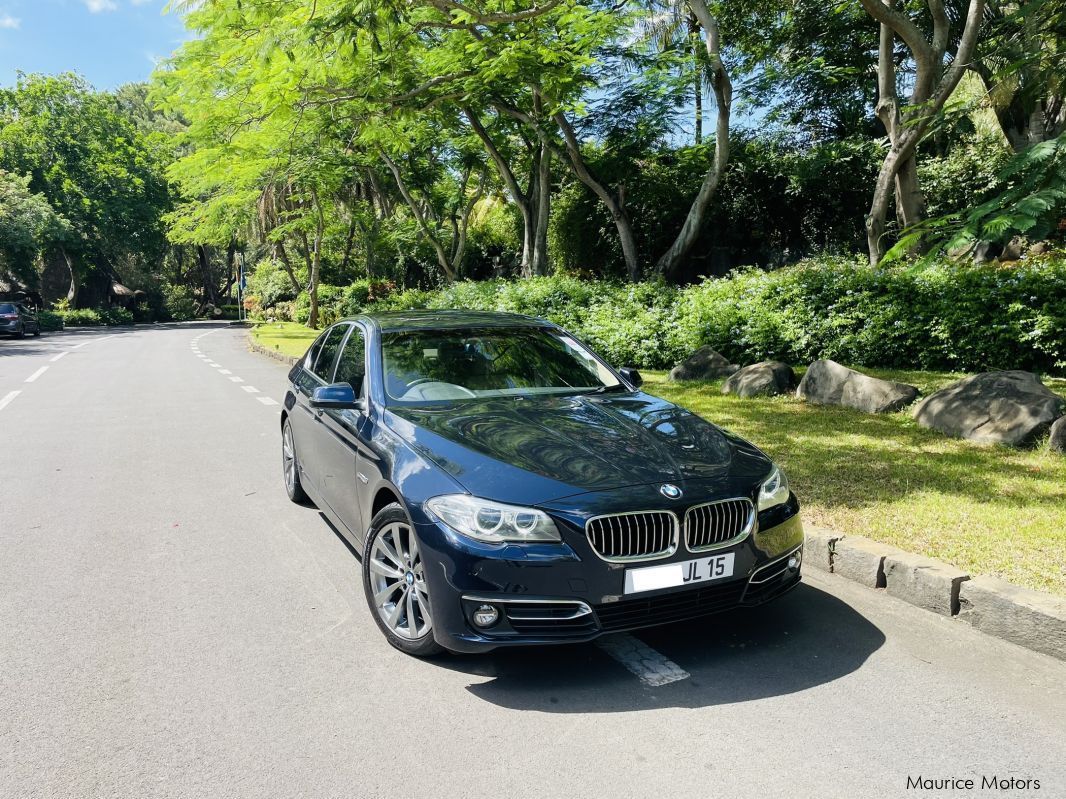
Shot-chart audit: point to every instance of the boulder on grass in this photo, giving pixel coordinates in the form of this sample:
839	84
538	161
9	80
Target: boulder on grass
828	383
1057	442
1011	407
703	364
766	378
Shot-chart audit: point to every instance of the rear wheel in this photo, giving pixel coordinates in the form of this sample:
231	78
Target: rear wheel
290	466
394	579
37	330
21	332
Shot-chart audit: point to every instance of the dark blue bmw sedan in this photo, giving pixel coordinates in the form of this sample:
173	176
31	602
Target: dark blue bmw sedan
507	486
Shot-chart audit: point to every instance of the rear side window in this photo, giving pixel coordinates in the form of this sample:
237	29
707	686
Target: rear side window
331	344
7	307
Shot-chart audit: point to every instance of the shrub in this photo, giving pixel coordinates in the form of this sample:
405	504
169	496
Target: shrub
116	316
80	317
50	320
940	316
178	303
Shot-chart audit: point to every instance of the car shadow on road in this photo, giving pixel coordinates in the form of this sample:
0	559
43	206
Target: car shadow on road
806	639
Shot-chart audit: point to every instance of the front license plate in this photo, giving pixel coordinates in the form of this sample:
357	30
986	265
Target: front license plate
700	570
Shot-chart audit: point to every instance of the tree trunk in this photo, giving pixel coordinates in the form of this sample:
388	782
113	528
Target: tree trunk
72	291
316	263
540	264
286	264
442	256
910	202
615	205
671	260
697	76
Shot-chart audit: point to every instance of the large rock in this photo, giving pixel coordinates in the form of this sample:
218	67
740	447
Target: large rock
1057	442
765	378
703	364
828	383
992	408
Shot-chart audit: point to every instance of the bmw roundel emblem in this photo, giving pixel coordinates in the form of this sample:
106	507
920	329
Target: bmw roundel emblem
670	491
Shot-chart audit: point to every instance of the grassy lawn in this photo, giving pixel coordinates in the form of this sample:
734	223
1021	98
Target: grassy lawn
989	510
288	338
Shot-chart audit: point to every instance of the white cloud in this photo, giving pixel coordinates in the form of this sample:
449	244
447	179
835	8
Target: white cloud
96	6
8	22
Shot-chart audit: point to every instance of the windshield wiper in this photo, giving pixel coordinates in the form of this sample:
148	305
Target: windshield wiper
605	389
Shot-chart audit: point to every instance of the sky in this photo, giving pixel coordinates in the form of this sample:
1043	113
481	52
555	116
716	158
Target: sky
109	42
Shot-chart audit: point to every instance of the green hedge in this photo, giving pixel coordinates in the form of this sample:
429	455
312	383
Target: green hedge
84	317
940	316
50	321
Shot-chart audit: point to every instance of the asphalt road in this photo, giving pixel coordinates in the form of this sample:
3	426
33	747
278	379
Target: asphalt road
170	625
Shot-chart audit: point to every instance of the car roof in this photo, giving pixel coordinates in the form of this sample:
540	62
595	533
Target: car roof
445	319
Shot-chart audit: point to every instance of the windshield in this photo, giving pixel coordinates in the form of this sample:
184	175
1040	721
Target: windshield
433	365
7	307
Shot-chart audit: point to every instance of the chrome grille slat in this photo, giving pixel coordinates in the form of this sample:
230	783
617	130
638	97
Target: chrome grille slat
717	524
640	535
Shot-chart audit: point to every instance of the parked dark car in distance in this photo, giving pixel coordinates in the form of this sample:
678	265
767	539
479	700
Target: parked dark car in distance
18	320
506	486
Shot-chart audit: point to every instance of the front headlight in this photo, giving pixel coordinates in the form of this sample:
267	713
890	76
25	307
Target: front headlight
774	490
492	522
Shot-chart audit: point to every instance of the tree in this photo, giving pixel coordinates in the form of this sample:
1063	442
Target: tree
932	85
29	227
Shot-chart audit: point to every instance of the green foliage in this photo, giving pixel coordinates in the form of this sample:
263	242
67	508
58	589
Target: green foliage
80	317
50	321
28	226
178	303
940	316
1029	200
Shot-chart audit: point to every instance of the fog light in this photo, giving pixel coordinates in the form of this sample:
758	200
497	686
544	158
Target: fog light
794	561
486	616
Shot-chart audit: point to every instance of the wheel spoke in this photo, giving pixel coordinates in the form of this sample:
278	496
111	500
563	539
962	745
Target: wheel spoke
387	549
412	619
386	592
397	611
385	570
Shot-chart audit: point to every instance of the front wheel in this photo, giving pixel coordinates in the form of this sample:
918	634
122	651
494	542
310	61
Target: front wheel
394	579
37	331
290	466
21	333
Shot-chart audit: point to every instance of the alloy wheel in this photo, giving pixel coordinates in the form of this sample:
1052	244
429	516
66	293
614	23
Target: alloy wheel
288	458
398	582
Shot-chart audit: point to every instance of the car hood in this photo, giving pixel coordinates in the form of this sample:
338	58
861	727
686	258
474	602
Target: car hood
533	450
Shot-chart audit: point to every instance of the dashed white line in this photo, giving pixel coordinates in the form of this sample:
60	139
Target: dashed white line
251	389
651	667
36	374
267	400
79	346
236	379
224	372
60	355
7	399
216	365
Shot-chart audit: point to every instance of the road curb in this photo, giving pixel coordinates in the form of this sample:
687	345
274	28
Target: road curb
255	346
1028	618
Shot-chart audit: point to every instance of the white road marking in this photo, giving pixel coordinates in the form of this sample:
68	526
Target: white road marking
57	357
79	346
267	400
651	667
7	399
224	372
236	379
251	389
216	365
37	374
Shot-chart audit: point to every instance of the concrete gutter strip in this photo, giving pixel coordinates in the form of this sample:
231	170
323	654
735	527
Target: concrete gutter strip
1022	616
1028	618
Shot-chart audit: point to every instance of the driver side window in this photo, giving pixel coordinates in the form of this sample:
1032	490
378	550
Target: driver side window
351	366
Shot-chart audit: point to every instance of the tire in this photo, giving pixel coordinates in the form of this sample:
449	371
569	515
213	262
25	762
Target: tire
290	466
37	331
21	332
392	559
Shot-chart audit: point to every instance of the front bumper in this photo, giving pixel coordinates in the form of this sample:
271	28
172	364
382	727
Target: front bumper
564	594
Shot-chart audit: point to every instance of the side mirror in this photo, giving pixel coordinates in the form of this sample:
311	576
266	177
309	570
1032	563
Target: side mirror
632	376
339	396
